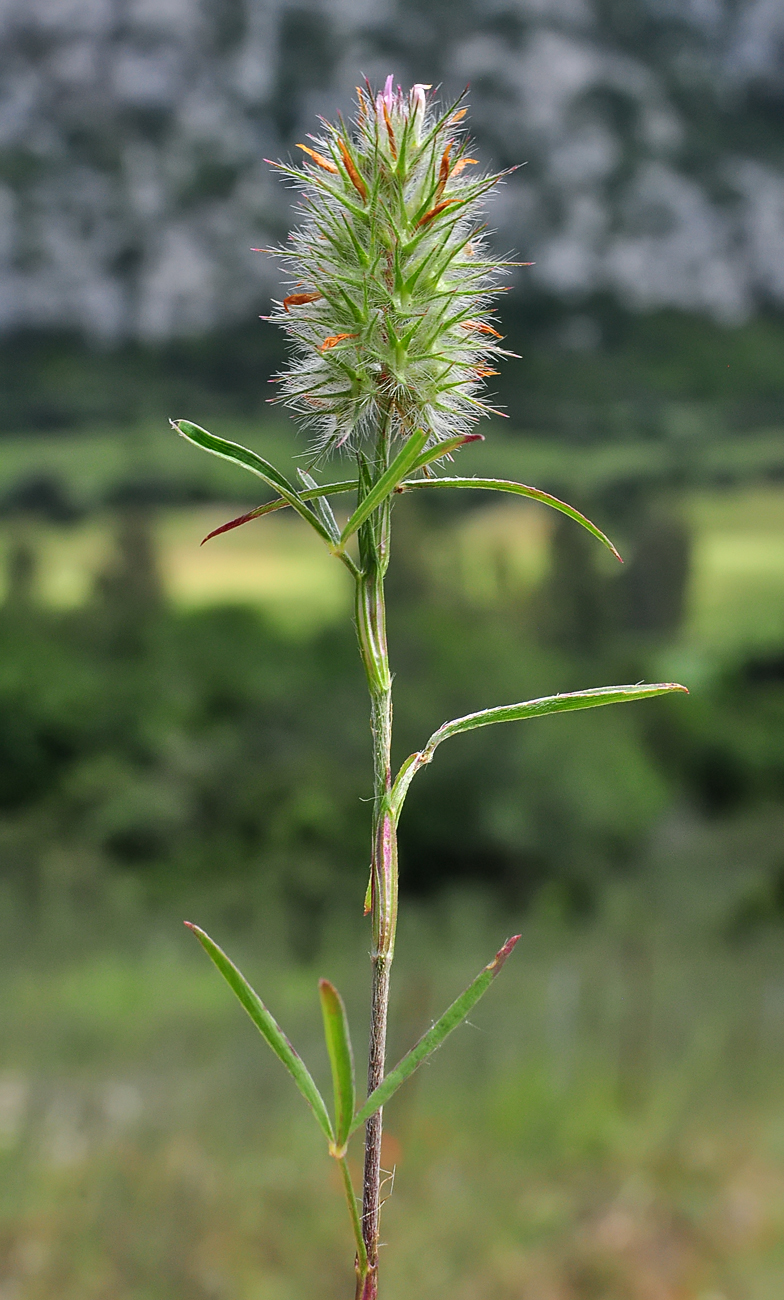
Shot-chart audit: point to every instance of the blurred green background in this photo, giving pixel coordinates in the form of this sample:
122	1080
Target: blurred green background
183	731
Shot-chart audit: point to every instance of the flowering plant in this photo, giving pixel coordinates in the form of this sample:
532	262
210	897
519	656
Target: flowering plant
389	317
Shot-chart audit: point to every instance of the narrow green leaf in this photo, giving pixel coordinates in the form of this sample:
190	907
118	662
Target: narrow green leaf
269	1029
386	484
519	489
516	713
356	1222
341	1058
553	704
256	464
434	1037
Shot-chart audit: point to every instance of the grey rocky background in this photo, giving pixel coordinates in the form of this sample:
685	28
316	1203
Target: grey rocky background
133	133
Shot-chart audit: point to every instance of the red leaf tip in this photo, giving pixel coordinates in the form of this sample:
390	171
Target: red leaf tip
503	953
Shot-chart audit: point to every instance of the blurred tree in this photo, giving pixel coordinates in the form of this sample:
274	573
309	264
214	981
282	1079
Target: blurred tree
21	574
129	593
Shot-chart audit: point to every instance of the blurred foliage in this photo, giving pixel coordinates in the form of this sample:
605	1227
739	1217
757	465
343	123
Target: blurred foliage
609	1127
208	743
585	372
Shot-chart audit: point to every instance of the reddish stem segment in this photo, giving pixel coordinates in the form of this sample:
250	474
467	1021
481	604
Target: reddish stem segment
371	1198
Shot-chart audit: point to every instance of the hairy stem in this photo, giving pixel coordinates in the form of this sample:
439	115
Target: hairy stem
371	631
383	895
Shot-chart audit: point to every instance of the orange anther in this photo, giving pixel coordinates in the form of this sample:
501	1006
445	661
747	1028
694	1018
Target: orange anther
443	171
481	328
461	163
335	338
353	174
320	159
459	115
434	212
390	133
298	299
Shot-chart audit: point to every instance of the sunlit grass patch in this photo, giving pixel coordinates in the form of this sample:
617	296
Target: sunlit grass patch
736	590
68	558
493	551
274	562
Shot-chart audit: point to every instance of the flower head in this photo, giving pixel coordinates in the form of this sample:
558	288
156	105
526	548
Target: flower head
391	279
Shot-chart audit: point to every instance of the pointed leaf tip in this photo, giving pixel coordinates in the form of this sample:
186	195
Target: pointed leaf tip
242	519
503	953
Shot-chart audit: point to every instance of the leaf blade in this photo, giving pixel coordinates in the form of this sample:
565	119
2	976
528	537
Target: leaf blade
570	701
269	1029
269	507
445	448
341	1059
429	1042
386	484
518	489
249	460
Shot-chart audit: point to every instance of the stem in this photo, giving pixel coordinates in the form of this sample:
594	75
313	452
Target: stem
371	630
383	894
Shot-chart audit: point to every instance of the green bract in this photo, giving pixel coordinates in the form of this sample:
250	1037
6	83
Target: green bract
391	280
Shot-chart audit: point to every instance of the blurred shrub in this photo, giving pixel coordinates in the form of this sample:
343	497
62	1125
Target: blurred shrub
208	745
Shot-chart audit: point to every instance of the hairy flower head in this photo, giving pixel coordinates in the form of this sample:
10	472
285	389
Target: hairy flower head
391	278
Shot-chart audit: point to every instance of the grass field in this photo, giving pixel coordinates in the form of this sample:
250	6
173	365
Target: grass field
737	587
609	1126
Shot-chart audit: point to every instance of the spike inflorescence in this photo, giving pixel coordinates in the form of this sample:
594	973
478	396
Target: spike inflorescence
391	278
